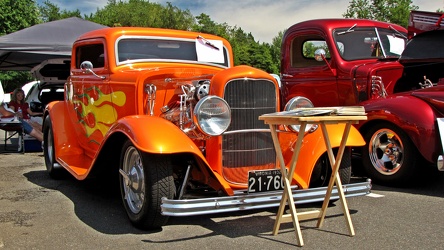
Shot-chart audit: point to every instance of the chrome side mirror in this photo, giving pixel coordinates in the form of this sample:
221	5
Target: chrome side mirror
87	67
319	55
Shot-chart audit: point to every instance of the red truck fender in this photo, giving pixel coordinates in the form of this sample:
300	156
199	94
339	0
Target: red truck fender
418	122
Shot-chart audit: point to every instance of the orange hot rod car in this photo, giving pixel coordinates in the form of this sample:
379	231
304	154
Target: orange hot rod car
169	114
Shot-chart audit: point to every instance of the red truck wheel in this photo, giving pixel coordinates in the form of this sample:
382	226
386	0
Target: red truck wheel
144	180
389	157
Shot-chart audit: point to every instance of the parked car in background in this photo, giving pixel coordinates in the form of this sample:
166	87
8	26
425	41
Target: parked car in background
168	114
51	76
346	62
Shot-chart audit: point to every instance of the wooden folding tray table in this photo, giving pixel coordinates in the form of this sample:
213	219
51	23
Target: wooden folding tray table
289	118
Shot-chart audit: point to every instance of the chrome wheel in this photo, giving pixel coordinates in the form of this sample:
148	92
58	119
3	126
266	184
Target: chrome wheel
133	180
386	151
390	157
144	179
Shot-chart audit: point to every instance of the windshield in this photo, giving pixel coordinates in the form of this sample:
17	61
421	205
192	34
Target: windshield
137	49
355	43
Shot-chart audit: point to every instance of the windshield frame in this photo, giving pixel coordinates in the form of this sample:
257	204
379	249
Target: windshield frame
363	43
192	58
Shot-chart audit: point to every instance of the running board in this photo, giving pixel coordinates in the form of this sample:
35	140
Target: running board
244	201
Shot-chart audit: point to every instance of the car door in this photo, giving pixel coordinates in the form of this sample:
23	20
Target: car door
90	111
303	75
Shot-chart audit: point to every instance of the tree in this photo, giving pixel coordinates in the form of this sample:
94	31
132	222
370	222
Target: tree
275	51
16	15
142	13
51	12
392	11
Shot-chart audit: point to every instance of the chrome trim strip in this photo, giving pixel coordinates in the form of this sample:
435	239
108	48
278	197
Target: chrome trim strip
246	131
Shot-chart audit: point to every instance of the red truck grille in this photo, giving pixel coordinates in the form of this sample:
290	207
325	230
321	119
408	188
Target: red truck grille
247	144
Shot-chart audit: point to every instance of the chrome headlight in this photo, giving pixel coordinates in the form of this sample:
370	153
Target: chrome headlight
300	102
212	115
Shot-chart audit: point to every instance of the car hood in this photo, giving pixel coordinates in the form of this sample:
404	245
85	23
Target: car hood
424	47
52	71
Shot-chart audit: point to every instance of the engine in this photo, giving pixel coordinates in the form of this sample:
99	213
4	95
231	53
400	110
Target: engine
195	112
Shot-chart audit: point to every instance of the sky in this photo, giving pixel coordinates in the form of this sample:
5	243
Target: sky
262	18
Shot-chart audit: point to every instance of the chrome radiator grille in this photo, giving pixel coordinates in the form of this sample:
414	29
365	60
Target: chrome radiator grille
247	144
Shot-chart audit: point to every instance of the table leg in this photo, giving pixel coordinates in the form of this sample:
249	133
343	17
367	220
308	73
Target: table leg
287	196
335	178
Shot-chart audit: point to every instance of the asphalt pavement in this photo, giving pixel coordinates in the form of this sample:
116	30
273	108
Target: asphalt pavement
37	212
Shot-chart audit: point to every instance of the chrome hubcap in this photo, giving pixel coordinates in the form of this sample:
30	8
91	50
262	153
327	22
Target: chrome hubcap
133	179
386	151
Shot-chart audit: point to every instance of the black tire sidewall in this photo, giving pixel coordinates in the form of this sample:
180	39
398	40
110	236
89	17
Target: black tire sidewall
408	168
158	183
344	168
49	163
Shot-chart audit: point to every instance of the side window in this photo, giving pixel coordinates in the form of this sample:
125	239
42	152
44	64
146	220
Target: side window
303	50
93	53
310	46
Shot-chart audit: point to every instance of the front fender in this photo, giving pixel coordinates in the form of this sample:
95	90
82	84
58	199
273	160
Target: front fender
155	135
313	147
414	116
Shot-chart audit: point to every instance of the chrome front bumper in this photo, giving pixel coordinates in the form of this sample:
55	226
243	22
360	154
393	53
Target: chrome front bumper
244	201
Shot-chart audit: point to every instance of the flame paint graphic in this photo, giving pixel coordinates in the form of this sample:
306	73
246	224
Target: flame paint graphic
97	114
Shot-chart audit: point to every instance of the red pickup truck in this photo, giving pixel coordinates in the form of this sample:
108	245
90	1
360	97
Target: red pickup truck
399	81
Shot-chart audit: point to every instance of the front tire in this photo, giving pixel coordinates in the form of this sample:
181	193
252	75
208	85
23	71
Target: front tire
322	171
389	157
144	180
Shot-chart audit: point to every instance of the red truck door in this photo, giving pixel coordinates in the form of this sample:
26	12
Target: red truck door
302	75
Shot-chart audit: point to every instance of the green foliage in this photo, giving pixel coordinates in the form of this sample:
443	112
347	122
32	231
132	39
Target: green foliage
51	12
245	49
17	14
392	11
11	80
275	51
141	13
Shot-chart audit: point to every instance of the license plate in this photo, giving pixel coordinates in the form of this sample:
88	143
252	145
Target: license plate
265	180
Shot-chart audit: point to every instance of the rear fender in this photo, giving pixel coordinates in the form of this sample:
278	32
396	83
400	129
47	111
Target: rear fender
313	147
65	141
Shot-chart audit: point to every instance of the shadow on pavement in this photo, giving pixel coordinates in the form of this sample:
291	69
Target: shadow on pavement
98	204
